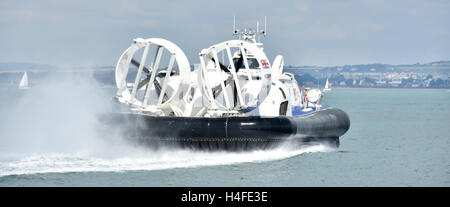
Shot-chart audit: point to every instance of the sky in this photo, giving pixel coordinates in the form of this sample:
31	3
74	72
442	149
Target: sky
320	32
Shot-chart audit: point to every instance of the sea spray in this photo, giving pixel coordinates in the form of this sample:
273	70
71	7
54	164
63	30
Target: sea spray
55	116
54	128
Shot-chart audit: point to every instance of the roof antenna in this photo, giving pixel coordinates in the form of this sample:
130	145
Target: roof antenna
264	32
235	31
234	24
257	30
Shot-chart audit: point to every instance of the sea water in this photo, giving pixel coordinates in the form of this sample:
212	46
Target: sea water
49	137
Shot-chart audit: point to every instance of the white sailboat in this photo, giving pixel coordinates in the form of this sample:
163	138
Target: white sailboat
326	87
24	82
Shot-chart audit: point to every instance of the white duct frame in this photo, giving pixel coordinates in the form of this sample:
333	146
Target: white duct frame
245	48
128	96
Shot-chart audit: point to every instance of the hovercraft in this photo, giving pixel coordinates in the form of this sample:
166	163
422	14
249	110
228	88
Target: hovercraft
234	99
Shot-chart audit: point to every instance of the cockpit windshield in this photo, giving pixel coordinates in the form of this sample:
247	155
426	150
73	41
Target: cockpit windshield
252	63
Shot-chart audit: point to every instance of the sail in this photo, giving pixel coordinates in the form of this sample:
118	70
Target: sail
327	88
24	81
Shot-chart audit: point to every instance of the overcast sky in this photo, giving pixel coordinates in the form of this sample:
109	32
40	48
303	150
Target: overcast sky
328	32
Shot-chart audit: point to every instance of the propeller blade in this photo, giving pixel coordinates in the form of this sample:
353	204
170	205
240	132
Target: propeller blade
143	83
162	74
137	64
146	80
155	83
218	89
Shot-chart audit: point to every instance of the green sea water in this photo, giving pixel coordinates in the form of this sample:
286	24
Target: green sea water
397	138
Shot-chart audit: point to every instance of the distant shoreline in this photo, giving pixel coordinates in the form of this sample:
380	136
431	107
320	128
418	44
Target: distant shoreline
59	70
391	89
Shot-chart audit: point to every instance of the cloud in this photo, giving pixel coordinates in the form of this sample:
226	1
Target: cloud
324	31
301	5
81	32
32	16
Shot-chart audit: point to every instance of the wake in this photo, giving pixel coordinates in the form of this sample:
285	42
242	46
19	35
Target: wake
144	160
